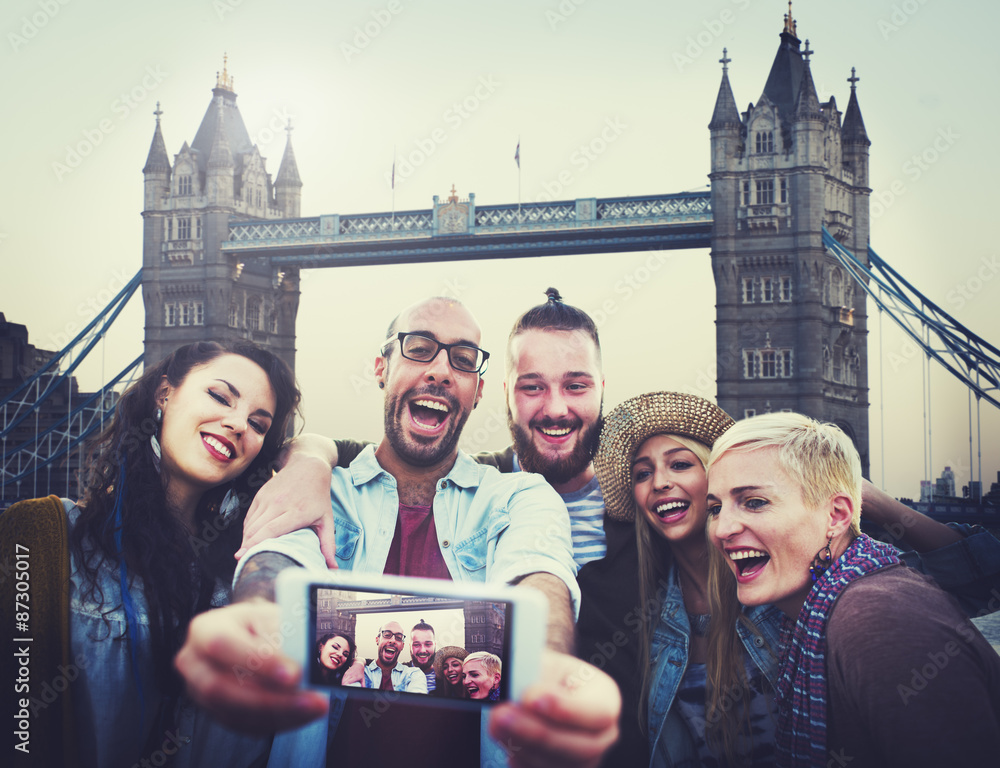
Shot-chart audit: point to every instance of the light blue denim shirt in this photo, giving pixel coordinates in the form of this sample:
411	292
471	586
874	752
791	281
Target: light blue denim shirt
114	726
491	527
968	569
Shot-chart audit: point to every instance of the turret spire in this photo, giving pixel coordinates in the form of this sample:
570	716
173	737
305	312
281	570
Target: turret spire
157	159
726	115
853	129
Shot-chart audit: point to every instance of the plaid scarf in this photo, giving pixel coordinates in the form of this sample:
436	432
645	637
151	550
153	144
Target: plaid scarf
802	692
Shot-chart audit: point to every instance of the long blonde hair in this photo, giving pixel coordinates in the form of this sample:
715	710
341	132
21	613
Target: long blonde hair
653	570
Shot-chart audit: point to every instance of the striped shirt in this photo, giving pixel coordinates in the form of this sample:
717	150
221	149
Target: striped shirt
586	520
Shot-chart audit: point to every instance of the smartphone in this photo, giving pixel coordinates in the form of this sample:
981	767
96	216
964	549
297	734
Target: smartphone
428	641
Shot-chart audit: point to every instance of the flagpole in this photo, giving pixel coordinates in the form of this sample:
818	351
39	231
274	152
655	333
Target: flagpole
393	219
517	156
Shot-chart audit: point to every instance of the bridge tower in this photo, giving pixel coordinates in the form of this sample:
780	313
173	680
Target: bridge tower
190	289
791	325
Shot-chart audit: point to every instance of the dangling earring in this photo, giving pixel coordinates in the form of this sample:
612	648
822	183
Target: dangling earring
822	560
154	443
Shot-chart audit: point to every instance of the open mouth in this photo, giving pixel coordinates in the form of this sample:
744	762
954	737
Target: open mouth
389	653
217	447
749	562
555	433
671	510
453	679
428	414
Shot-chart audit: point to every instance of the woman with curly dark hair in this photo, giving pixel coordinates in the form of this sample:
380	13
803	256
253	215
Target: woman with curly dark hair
167	486
335	653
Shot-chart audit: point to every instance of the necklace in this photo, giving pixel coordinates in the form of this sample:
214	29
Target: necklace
699	623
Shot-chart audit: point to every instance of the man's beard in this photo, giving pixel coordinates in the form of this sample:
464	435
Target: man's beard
411	451
562	470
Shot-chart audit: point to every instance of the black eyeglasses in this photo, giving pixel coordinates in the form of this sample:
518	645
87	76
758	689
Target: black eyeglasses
398	636
423	349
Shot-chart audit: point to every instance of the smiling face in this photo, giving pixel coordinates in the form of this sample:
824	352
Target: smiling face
422	648
669	488
389	647
334	652
768	534
477	681
427	404
214	423
452	670
554	390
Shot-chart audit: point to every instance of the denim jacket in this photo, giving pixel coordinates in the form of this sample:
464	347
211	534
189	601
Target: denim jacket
491	528
671	745
115	725
968	569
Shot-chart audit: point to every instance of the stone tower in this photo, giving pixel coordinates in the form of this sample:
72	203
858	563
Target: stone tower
191	290
791	324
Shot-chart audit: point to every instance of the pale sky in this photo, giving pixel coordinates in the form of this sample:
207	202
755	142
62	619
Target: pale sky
552	73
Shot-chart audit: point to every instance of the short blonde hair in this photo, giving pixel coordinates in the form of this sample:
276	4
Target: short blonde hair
490	662
818	456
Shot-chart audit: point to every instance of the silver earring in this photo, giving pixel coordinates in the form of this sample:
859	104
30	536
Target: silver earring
230	506
154	443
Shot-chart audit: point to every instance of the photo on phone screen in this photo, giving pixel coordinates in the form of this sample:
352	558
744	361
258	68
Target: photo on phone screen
415	645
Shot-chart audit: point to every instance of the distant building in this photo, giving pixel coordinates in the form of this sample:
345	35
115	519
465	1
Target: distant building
25	468
191	290
791	323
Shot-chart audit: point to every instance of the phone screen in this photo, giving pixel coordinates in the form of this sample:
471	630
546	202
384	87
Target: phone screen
414	645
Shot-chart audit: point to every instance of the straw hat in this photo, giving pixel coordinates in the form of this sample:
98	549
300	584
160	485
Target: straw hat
628	426
448	652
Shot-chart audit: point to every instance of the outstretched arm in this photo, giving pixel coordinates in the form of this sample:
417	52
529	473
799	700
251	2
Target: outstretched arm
570	716
232	660
299	495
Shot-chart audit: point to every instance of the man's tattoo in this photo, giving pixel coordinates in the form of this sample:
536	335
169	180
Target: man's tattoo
258	575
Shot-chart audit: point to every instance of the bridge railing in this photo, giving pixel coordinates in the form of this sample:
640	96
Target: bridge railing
596	213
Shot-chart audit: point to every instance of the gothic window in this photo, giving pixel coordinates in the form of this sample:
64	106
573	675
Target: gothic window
827	364
746	193
170	314
748	290
785	288
185	313
836	289
785	363
253	314
184	228
765	142
184	185
197	228
767	290
784	190
272	324
765	192
170	228
768	366
234	315
749	363
258	197
199	313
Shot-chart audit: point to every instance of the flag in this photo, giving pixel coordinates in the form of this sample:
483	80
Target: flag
517	154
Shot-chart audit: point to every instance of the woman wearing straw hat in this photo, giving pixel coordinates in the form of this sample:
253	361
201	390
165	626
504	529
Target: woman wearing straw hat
448	672
651	466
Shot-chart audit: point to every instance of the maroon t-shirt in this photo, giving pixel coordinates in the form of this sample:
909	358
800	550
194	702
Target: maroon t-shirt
406	734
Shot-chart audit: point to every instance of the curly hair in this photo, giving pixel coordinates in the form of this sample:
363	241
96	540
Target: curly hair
335	676
124	517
